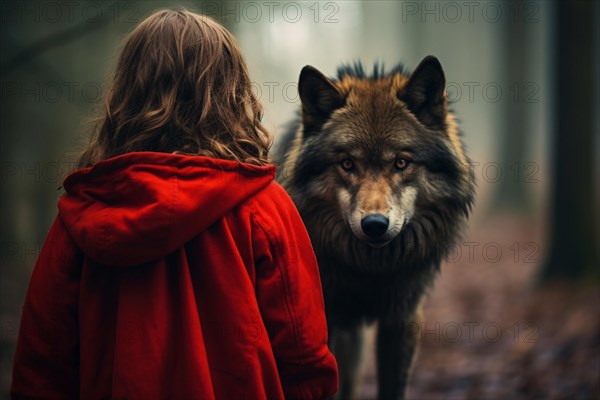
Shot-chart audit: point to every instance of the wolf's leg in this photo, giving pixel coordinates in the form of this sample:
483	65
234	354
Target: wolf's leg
347	347
396	345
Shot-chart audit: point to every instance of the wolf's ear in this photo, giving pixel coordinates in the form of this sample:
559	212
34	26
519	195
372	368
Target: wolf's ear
319	97
425	92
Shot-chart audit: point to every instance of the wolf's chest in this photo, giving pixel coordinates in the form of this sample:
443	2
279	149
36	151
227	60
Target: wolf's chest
351	301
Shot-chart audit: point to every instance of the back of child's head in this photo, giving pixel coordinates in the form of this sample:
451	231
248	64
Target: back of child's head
180	85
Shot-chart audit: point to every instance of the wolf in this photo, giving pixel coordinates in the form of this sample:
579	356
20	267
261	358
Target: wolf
377	169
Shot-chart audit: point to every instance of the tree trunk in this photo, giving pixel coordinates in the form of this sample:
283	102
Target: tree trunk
513	194
573	253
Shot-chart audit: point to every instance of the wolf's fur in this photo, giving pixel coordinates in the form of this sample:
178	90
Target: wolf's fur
376	122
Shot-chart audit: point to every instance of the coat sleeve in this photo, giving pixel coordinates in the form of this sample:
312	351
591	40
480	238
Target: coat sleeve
46	361
291	301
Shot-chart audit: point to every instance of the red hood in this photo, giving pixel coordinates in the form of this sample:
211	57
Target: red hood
137	207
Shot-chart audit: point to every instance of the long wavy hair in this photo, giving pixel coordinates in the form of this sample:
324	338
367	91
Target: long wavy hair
181	86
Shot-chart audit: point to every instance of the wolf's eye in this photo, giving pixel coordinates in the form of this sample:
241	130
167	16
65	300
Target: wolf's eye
401	164
347	164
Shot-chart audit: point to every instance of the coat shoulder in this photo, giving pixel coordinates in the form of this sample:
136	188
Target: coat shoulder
274	209
273	198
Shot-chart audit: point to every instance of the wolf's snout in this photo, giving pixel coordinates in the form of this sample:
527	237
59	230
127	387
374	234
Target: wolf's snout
375	224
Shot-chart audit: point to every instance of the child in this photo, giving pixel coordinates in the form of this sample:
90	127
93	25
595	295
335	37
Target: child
176	268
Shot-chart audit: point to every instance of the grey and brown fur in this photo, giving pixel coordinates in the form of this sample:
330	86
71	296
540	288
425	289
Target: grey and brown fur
407	184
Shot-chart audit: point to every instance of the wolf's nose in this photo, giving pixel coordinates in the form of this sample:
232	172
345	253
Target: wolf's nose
374	224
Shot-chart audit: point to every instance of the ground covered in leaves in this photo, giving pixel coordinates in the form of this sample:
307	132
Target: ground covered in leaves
493	332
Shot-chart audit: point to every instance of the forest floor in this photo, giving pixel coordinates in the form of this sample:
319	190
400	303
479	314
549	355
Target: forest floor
492	332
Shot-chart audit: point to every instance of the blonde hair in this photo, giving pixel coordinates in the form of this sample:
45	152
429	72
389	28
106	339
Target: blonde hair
181	85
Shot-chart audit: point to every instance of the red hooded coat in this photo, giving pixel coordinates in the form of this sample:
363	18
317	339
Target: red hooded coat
174	277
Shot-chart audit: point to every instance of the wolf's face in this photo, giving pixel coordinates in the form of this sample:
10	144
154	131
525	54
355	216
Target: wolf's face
376	199
373	172
379	151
